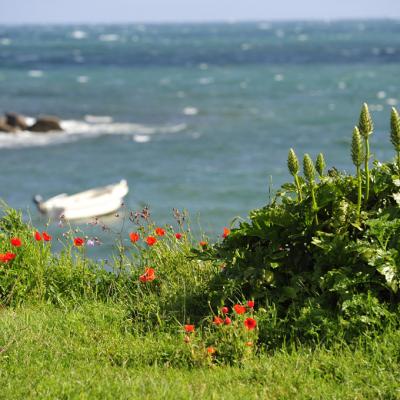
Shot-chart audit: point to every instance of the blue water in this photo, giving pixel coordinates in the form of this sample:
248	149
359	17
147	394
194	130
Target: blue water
198	116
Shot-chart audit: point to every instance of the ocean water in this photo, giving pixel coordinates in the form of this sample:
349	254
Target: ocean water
194	116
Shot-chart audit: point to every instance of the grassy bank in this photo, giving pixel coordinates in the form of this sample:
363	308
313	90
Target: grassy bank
88	351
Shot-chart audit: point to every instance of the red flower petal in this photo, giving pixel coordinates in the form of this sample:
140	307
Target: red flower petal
250	323
78	241
134	236
38	236
16	242
160	232
239	309
189	328
46	237
151	240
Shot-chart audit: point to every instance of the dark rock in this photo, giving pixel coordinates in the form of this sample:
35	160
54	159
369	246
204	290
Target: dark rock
16	120
46	124
4	127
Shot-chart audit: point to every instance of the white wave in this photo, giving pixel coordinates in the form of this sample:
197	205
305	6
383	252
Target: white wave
35	73
92	126
82	79
109	37
78	34
5	41
190	111
141	138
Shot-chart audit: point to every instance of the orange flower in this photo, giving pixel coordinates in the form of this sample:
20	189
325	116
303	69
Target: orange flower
16	242
203	244
239	309
178	235
250	304
78	242
249	344
211	350
148	276
250	323
189	328
150	240
160	232
227	231
38	236
218	320
46	237
6	257
227	321
134	237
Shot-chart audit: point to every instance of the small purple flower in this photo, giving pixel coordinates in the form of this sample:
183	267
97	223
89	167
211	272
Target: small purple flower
90	243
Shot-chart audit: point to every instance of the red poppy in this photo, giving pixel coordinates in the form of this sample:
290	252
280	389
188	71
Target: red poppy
38	236
148	276
160	231
227	231
227	321
16	242
250	304
250	323
239	309
211	350
203	244
78	241
150	240
225	310
178	235
6	257
46	237
134	236
218	321
189	328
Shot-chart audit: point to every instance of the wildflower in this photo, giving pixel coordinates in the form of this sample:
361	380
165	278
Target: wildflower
250	323
239	309
38	236
78	241
225	310
148	276
90	243
46	237
189	328
211	350
227	231
218	320
178	236
6	257
16	242
249	344
203	244
134	236
150	240
160	231
250	304
227	321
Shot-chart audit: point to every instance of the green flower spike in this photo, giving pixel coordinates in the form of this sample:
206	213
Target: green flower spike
309	173
366	127
293	165
320	165
357	155
395	134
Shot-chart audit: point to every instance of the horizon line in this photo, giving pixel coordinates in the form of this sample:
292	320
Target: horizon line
229	21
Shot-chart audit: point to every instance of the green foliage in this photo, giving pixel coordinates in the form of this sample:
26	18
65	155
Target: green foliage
328	271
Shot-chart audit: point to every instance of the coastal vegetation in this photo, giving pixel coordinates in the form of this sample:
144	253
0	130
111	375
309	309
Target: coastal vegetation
299	301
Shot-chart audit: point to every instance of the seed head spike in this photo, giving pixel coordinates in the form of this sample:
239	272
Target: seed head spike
320	164
357	148
395	129
365	124
308	168
293	163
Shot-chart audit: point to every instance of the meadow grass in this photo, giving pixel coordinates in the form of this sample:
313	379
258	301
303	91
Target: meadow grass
87	351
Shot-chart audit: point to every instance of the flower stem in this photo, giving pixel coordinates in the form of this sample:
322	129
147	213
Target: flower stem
367	155
359	193
314	202
296	180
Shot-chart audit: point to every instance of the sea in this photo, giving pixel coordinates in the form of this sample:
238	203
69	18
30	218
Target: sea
197	117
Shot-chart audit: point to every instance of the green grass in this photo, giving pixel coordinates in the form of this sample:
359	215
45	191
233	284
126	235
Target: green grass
90	352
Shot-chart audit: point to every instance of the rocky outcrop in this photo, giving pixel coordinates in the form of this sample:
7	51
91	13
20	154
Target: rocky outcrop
46	124
4	127
15	120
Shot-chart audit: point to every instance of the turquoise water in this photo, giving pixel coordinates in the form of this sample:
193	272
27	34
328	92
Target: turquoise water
193	116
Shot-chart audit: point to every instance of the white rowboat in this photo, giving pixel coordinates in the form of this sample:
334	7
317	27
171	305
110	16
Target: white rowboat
88	204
